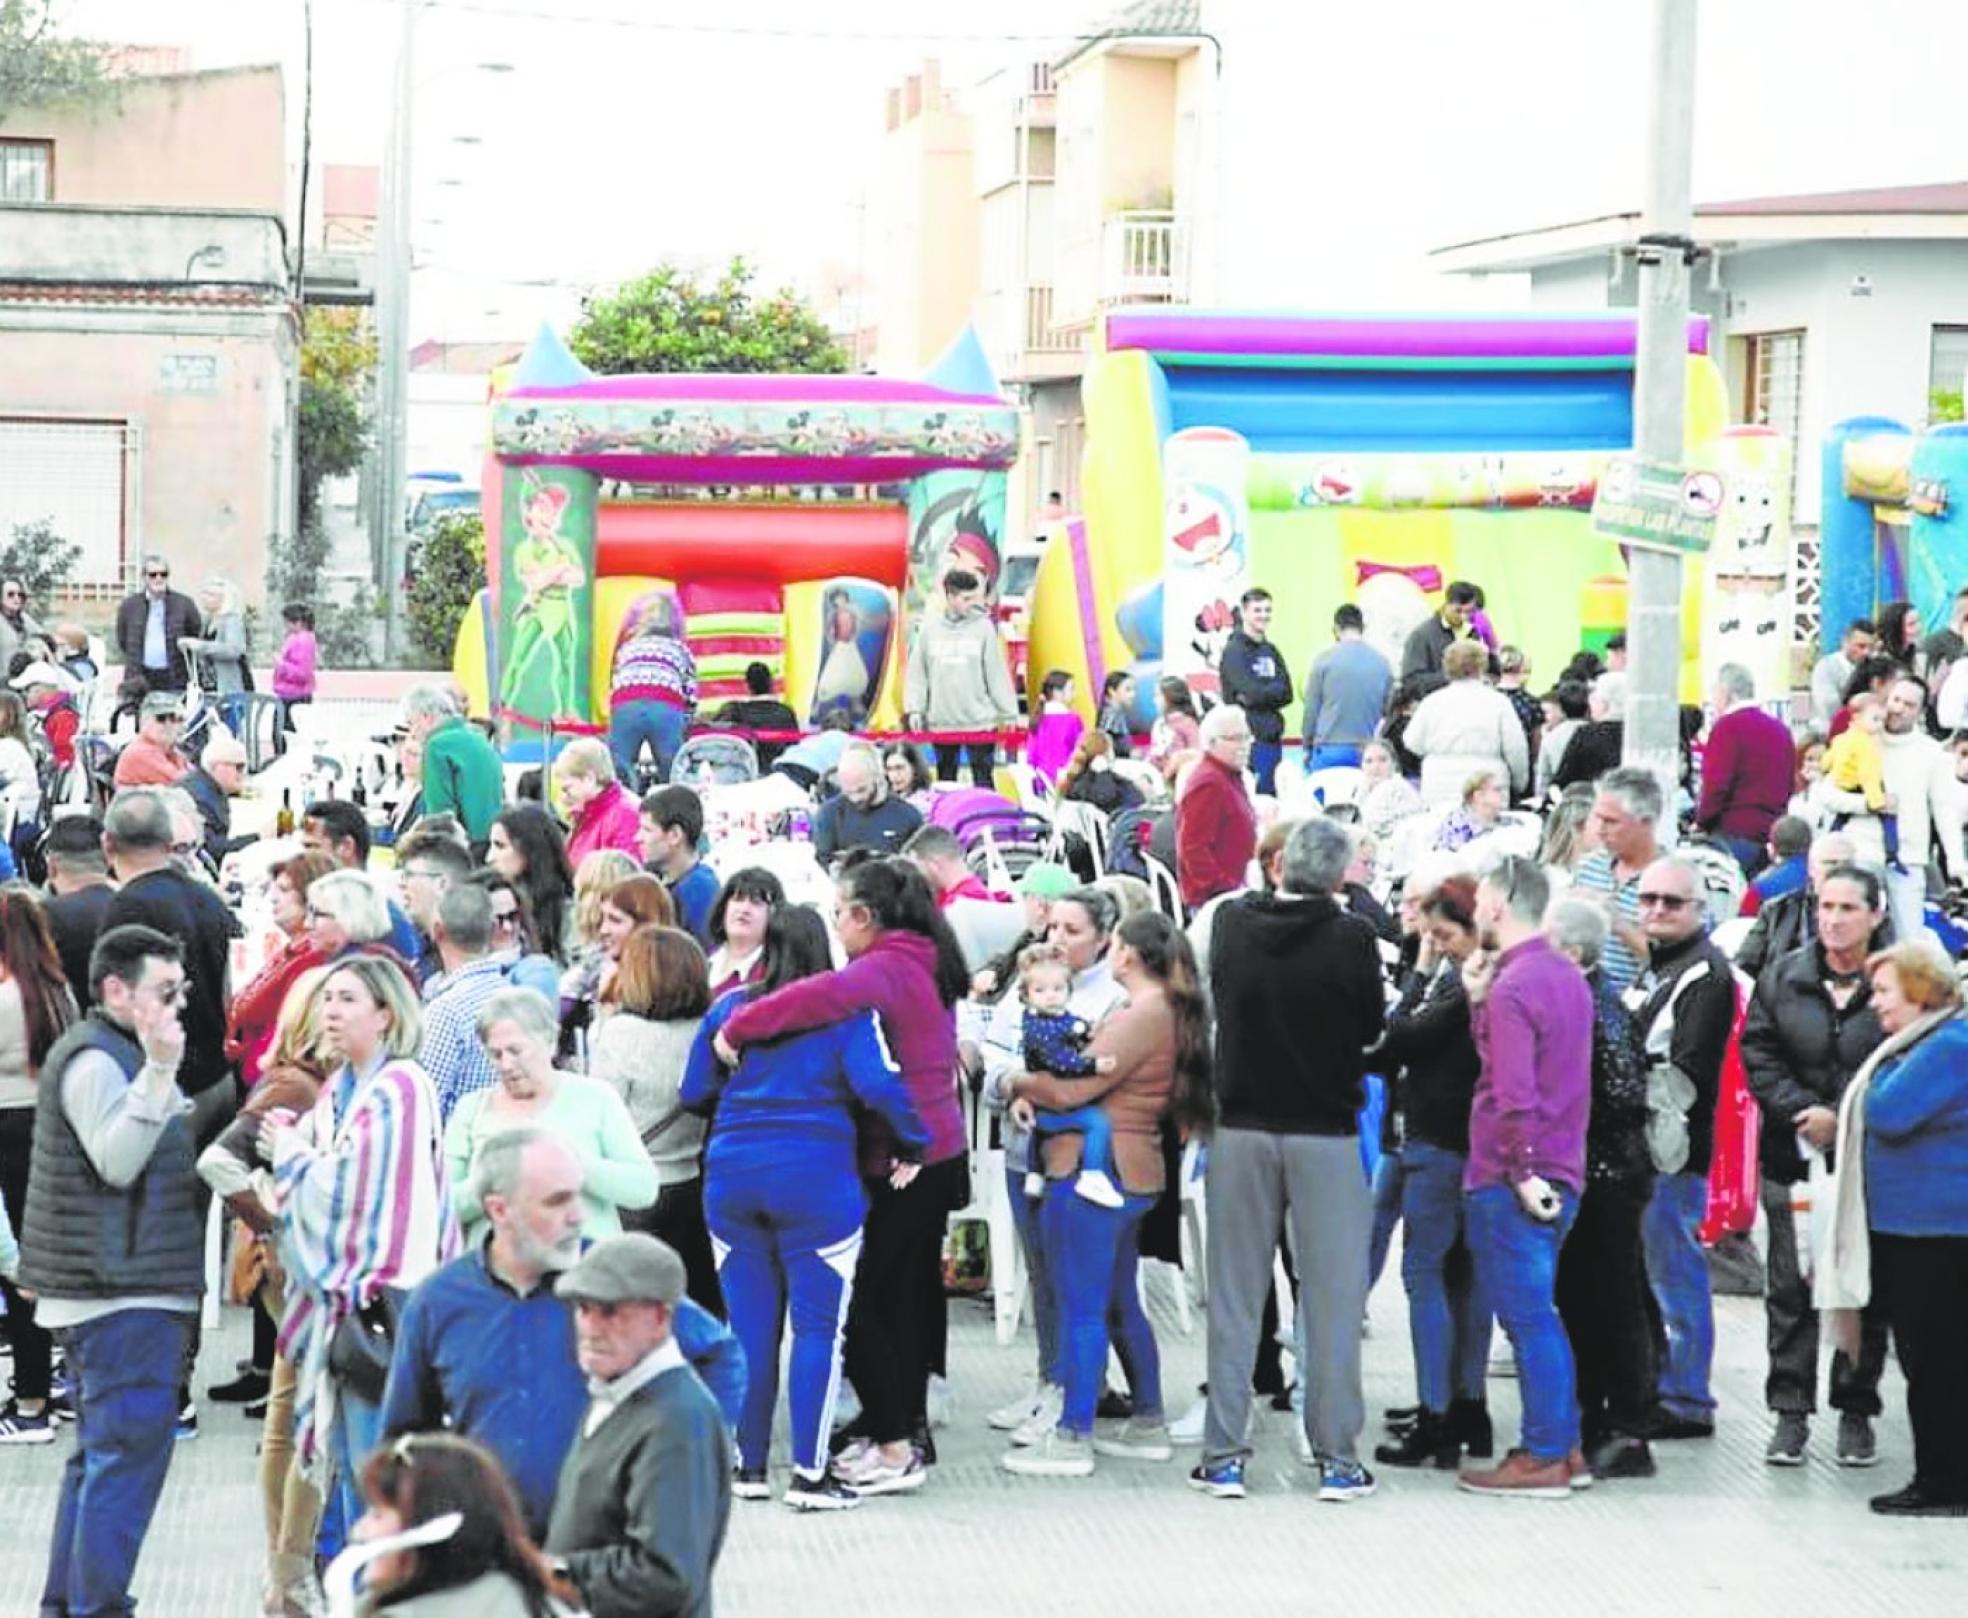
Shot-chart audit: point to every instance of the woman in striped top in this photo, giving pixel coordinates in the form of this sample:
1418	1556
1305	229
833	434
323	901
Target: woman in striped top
361	1197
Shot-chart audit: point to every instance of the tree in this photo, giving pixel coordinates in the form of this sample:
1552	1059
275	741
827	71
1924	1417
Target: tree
670	320
447	568
41	559
1944	404
39	70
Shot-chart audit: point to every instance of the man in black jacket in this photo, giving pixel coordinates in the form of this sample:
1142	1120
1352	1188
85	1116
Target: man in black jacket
1295	982
1810	1026
1685	1010
79	893
1255	679
149	626
645	1493
1789	923
1431	638
759	710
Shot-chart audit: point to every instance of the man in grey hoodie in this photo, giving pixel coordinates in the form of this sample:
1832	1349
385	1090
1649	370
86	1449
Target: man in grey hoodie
957	680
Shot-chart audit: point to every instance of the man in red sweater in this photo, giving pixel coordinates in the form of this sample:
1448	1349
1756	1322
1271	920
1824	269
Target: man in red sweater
1749	770
1215	820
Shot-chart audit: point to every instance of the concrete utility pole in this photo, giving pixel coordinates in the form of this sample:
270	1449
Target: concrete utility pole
393	341
1660	388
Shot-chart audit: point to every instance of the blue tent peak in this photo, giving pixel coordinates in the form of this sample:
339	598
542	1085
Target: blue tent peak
964	367
548	364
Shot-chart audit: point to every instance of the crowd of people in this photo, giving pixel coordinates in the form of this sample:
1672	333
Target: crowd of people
572	1091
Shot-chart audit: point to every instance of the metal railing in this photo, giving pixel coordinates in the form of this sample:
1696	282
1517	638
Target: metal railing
1042	336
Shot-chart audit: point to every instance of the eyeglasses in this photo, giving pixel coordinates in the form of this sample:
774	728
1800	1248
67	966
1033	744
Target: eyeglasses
505	918
1665	901
155	573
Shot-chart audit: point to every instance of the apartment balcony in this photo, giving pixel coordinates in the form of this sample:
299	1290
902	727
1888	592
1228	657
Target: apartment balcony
1026	341
1144	258
1140	256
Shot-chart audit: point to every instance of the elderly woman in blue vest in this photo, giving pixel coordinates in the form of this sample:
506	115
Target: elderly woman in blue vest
113	1246
1906	1113
363	1205
784	1199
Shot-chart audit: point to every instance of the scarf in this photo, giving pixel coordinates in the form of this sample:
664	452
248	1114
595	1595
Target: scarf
1842	1284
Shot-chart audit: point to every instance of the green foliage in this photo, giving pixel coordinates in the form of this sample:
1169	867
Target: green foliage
447	568
41	559
39	70
670	320
1944	404
331	439
339	349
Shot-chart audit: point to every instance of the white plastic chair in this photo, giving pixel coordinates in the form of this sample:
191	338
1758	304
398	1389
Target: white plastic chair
1029	789
1144	777
1164	888
1337	783
1074	818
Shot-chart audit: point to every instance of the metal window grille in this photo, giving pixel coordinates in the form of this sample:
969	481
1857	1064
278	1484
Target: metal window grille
1776	390
1947	361
79	477
26	170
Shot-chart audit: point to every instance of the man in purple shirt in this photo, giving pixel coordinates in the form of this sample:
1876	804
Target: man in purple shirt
1533	1026
1749	769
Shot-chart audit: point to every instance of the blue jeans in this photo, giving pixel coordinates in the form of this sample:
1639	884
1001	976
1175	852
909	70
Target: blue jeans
125	1369
1333	756
1093	1255
1264	764
1517	1268
1387	1201
358	1430
1678	1273
786	1247
1026	1217
658	724
1448	1316
1096	1135
1751	855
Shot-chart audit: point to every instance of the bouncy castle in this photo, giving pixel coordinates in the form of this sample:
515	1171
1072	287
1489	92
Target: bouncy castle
1376	459
1895	520
798	521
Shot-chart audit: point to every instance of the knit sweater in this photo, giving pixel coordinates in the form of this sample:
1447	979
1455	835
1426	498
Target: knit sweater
655	668
1916	1134
585	1113
644	1060
1748	769
1215	832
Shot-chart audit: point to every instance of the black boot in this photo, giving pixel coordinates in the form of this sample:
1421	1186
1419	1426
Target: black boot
1469	1424
1430	1442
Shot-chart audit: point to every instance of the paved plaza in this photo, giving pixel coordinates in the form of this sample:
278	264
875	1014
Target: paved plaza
1717	1532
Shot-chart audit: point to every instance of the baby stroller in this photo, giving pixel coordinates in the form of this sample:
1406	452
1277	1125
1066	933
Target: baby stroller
715	758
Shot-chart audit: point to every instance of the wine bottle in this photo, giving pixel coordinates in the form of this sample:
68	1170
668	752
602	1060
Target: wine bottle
359	793
283	822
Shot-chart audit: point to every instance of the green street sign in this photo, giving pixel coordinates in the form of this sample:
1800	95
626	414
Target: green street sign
1658	506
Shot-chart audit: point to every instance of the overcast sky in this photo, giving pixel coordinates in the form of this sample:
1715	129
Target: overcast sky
1358	133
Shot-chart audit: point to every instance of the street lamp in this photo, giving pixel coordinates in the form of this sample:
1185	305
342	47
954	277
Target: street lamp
393	264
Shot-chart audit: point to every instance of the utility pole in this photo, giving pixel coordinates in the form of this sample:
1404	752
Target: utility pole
1660	390
393	341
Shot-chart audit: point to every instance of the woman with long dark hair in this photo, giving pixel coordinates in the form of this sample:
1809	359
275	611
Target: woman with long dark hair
739	921
35	1007
1897	629
1161	1048
786	1202
527	848
485	1567
905	966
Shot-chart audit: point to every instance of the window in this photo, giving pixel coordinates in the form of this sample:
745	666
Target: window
1947	372
76	477
1774	395
27	170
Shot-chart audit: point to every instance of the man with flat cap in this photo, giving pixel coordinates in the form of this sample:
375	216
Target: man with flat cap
645	1493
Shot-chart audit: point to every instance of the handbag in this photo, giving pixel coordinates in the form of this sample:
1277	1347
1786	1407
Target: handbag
359	1350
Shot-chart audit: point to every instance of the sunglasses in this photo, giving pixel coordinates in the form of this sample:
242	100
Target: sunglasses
151	575
1665	901
505	918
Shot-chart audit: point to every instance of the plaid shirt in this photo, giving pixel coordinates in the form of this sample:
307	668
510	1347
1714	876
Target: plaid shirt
452	1053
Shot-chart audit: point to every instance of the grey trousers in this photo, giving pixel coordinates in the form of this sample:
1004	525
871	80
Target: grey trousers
1253	1179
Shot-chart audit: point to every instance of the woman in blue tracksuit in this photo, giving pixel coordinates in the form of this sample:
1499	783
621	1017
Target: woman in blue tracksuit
784	1200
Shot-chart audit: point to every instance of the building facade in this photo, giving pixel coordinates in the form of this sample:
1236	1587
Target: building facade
148	338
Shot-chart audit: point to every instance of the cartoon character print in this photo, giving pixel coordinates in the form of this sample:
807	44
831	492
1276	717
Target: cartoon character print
1560	484
1212	632
1752	508
1202	528
1337	483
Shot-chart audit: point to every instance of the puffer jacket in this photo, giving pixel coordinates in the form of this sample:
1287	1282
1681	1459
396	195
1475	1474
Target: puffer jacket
1799	1050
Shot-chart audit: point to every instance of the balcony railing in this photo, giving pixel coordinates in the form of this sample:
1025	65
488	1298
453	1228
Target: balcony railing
1042	336
1144	258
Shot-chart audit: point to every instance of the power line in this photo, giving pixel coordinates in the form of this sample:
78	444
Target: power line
780	31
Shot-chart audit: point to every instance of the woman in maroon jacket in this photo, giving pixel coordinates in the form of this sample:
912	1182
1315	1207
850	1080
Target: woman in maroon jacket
904	965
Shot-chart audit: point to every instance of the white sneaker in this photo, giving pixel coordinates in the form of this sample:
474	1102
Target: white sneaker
1008	1418
1187	1428
1135	1441
941	1402
1094	1185
1044	1417
1054	1456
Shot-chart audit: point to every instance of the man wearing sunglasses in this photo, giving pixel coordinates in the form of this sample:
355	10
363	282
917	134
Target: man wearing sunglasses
149	626
1685	1009
17	624
114	1248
